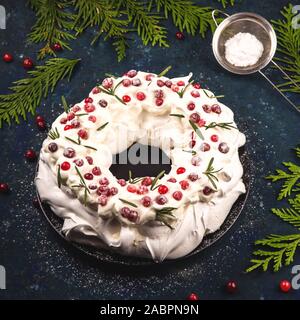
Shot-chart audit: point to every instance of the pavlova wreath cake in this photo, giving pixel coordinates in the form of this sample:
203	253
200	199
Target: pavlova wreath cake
163	217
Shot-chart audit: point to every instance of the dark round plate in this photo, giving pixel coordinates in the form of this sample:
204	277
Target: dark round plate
104	255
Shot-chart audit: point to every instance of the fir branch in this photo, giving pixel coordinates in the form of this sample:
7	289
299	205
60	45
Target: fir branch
53	25
289	215
27	93
225	3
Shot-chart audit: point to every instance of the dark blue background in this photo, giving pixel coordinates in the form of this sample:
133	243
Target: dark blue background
39	265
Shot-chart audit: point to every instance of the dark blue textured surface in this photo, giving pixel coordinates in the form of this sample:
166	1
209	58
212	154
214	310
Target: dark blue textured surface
39	265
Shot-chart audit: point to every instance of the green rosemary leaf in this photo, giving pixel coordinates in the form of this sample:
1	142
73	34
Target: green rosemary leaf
164	72
81	114
65	104
154	182
102	127
196	129
89	147
182	92
130	176
193	152
223	125
128	202
213	96
78	143
59	179
81	179
176	115
53	134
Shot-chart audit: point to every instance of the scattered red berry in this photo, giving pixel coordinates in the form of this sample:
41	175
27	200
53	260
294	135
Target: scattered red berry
214	138
96	171
206	108
126	82
193	297
41	125
82	134
161	199
4	188
90	160
88	176
122	182
177	195
184	184
149	77
57	47
193	177
107	83
195	94
65	166
216	108
196	85
159	101
96	90
131	73
180	170
191	106
7	57
131	188
180	83
179	35
30	155
192	143
231	286
207	191
147	181
88	100
163	189
195	117
285	286
140	96
68	127
27	63
160	83
126	98
92	119
172	180
223	147
146	201
205	147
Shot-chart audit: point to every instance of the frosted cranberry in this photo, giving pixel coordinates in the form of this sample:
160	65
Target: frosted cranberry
206	108
75	123
231	286
195	117
27	63
175	88
68	127
180	170
69	153
52	147
56	47
214	138
168	83
136	82
30	155
102	200
161	200
93	186
96	171
132	216
285	286
104	181
196	161
103	103
88	176
41	125
159	102
103	190
7	57
184	184
193	177
196	85
131	188
195	94
113	191
177	195
147	181
125	212
65	166
63	120
126	98
131	73
70	116
207	191
78	162
122	182
88	100
126	82
142	190
223	147
89	159
76	109
92	119
201	123
149	77
180	83
193	297
205	147
146	201
158	94
4	188
192	143
191	106
96	90
89	107
163	189
160	83
39	118
140	96
216	108
172	180
179	35
82	133
107	83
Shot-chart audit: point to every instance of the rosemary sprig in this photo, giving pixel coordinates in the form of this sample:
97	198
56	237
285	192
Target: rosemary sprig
193	152
154	182
196	129
164	72
210	173
223	125
128	202
112	92
103	126
53	134
176	115
79	143
133	180
82	185
59	179
81	114
65	104
182	92
212	96
164	215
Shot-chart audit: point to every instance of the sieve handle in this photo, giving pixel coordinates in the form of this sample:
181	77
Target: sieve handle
213	14
275	87
279	68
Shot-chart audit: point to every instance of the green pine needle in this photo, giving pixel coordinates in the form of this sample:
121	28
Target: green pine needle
27	93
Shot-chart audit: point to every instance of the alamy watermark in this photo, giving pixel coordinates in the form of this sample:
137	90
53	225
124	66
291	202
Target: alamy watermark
2	278
2	18
296	18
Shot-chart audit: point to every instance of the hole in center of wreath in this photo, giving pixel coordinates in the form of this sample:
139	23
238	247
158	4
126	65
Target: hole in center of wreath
141	160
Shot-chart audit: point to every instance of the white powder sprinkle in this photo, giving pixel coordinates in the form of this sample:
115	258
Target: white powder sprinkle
243	50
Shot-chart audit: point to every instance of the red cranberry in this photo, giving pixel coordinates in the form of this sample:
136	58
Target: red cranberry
88	176
103	103
146	201
193	177
103	190
216	108
158	94
180	83
126	82
206	108
179	35
69	153
27	63
207	191
89	159
184	184
96	90
131	188
161	200
195	94
68	127
205	147
191	106
78	162
41	125
65	166
88	100
63	120
147	181
192	143
159	102
223	147
172	180
193	297
149	77
180	170
75	109
96	171
102	200
39	118
70	116
142	190
285	286
136	82
4	188
131	73
57	47
113	191
122	182
140	96
177	195
104	181
75	123
7	57
201	123
163	189
196	85
107	83
231	286
214	138
132	216
175	88
195	117
92	118
196	161
160	83
52	147
126	98
30	155
168	83
82	133
93	186
125	212
89	107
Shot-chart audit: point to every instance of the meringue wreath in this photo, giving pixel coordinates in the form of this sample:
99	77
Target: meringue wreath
163	217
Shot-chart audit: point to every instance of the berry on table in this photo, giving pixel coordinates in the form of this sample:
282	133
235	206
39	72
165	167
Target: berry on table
69	153
96	171
197	85
78	162
27	63
96	90
195	94
126	82
88	176
92	118
104	181
180	83
57	47
195	117
131	188
160	83
159	101
205	147
89	107
131	73
231	286
102	200
122	182
285	286
4	187
193	297
88	100
193	177
179	35
89	159
7	57
102	103
136	82
207	191
216	108
30	155
206	108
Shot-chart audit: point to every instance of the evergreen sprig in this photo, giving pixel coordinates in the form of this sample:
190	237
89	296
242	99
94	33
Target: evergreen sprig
165	215
27	93
210	172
